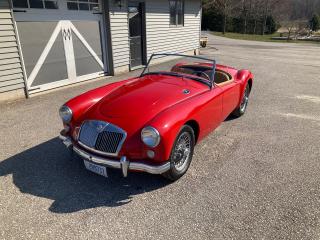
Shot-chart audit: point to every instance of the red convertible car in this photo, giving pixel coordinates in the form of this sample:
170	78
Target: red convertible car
151	123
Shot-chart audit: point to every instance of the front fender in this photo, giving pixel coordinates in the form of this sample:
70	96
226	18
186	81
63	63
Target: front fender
170	121
82	103
168	124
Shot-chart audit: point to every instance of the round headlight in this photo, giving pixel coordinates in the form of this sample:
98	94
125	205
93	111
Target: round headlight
65	113
150	136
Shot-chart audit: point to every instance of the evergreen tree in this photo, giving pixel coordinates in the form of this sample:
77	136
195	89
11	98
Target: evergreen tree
315	23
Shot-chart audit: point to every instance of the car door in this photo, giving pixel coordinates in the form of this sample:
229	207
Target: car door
210	114
230	97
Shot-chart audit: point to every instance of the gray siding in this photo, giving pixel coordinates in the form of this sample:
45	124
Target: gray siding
161	37
11	76
4	4
119	35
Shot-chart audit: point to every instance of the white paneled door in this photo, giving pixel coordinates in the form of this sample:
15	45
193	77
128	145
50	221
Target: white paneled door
63	45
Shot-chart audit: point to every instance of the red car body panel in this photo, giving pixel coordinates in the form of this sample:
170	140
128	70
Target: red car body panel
159	101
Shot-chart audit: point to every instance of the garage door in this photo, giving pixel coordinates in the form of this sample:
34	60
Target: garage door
61	41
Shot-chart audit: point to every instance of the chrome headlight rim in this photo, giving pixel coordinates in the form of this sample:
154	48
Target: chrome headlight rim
146	139
65	114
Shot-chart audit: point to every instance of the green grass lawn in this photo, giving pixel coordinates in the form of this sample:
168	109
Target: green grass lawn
252	37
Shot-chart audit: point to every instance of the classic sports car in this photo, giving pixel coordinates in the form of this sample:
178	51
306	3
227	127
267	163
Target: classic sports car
151	123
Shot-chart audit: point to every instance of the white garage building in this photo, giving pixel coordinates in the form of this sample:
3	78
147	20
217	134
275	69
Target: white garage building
46	44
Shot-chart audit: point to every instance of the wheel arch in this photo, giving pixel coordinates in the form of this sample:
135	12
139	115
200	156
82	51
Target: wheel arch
250	81
196	128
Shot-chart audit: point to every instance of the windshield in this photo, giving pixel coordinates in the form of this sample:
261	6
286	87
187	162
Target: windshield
192	67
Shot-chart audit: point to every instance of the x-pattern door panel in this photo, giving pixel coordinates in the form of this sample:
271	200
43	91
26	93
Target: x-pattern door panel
63	48
66	31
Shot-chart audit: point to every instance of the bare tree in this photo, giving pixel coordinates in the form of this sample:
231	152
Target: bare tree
265	15
290	26
304	9
254	13
226	8
257	12
268	9
295	28
290	18
243	14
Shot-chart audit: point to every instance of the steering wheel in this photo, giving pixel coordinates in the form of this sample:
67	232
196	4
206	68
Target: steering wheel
200	73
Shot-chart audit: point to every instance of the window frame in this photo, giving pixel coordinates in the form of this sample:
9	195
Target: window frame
176	22
43	5
91	4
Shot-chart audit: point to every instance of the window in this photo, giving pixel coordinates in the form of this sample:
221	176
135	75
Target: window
42	4
83	5
176	8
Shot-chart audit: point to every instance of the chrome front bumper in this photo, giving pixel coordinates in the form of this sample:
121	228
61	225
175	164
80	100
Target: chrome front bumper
124	164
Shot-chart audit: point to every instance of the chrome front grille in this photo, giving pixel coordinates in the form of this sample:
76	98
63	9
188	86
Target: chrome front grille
89	132
108	141
101	137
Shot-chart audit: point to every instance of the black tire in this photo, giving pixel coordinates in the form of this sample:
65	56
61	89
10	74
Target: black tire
180	157
238	112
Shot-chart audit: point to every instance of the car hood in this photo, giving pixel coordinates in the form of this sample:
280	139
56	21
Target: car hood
134	104
147	96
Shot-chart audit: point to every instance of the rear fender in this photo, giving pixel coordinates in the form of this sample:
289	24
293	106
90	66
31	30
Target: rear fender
243	76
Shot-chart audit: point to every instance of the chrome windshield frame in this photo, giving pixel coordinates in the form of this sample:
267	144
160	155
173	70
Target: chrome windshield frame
211	80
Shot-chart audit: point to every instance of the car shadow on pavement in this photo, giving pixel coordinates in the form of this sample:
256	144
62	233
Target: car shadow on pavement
230	118
49	171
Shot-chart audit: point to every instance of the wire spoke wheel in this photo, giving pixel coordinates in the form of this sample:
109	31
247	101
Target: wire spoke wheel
182	151
245	100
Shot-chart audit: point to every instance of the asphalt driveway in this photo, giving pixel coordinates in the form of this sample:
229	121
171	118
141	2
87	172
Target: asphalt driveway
256	177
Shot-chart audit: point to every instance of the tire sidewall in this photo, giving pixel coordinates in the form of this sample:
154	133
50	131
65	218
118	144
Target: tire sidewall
173	170
242	111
